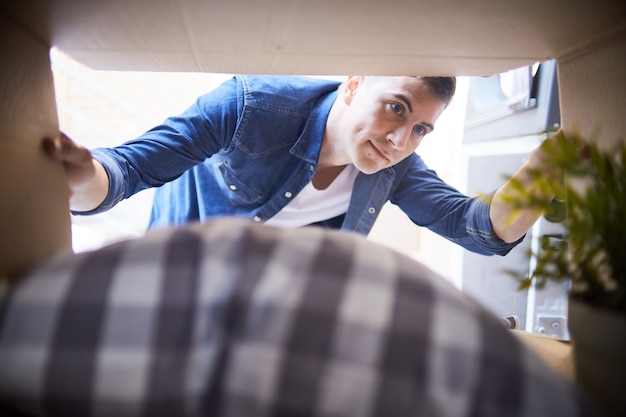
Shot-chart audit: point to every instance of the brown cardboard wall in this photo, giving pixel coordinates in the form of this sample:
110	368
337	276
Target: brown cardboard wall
592	85
324	37
34	216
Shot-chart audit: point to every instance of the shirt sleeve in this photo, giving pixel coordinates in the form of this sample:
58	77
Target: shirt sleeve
432	203
166	151
480	230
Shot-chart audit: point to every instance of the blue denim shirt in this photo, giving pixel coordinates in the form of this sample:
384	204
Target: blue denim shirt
249	146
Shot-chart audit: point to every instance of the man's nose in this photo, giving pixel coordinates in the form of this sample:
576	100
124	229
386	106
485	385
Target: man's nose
399	138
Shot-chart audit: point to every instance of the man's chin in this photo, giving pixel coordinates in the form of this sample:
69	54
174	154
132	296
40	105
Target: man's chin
369	169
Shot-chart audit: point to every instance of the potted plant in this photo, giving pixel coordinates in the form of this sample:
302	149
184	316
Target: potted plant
592	255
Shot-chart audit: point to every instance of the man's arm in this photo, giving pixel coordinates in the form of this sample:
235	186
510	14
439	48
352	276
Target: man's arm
509	222
86	178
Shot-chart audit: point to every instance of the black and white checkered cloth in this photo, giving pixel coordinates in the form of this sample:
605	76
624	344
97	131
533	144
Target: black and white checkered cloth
232	318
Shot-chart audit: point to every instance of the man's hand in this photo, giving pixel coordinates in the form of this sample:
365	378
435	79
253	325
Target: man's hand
86	178
510	222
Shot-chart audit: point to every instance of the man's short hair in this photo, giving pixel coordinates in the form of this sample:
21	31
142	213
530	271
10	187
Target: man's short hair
441	87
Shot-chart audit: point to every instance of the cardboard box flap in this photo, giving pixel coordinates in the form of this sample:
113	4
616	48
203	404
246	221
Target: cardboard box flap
435	37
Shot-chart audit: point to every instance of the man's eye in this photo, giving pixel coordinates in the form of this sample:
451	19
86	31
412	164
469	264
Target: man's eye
396	108
420	130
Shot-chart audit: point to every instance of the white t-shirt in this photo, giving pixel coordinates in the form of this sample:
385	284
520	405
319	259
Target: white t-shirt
312	205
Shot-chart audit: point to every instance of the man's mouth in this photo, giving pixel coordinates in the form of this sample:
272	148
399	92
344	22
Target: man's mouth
378	152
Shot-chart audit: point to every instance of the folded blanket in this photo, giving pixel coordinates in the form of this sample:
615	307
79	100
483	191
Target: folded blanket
232	318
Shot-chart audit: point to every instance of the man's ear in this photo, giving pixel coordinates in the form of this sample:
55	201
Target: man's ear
351	85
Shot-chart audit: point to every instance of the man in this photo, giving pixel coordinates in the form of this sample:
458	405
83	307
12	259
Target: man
293	151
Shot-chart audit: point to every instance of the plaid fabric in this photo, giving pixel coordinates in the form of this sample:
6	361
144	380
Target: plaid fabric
238	319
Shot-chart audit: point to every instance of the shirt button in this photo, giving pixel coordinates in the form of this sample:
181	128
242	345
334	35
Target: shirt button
288	194
371	210
257	219
311	168
233	187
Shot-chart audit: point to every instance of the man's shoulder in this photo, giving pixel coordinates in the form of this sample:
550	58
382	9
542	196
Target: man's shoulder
288	81
286	88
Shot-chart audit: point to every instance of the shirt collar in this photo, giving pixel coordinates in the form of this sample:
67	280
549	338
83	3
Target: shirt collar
308	145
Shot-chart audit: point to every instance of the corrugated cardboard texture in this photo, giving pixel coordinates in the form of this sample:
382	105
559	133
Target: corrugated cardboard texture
405	37
34	217
593	90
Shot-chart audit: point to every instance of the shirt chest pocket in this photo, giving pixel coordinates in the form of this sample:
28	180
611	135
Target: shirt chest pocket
236	191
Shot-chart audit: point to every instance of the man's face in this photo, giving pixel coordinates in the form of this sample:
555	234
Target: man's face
386	119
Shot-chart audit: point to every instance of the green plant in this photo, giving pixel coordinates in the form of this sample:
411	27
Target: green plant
593	191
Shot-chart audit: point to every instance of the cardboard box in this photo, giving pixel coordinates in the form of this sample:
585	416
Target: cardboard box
395	37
